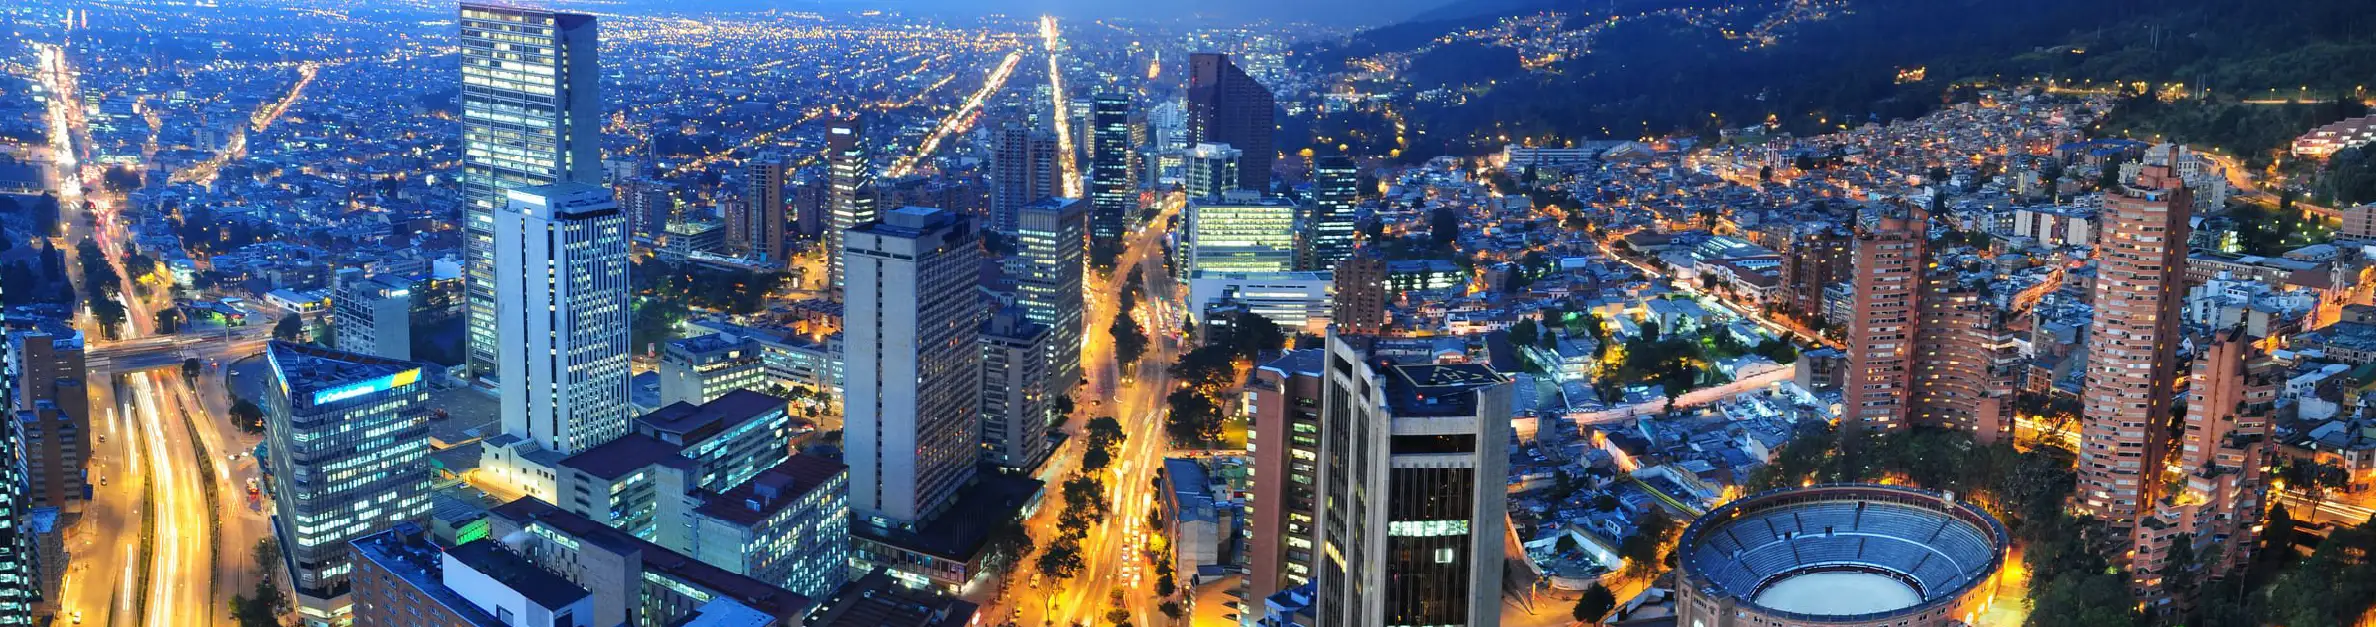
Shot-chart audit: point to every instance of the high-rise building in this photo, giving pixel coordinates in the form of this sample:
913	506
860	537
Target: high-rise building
1225	106
849	163
1361	294
1112	189
2225	449
1819	255
913	370
1048	266
1023	170
1016	403
1888	278
349	441
1212	170
650	206
2132	347
1413	462
757	232
1238	233
20	557
373	314
1336	191
702	368
53	408
1967	352
531	115
561	264
1283	513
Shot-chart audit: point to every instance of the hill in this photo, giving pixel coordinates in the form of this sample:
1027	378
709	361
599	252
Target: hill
1656	67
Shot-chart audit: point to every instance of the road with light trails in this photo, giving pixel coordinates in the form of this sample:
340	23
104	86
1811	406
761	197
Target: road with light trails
145	552
1111	550
1065	157
962	119
258	122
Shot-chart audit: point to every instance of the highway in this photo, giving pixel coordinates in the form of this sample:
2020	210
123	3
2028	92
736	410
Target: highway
1111	551
1066	158
146	551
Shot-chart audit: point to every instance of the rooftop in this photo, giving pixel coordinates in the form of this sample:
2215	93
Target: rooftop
876	600
688	424
540	587
1437	389
309	368
629	453
772	489
656	559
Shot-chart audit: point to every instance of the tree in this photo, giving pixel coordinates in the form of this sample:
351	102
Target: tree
289	329
248	416
1130	342
1596	602
1172	609
1194	417
190	368
1524	333
1061	560
1443	228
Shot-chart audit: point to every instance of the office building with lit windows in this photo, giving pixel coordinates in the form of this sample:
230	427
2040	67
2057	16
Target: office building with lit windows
348	441
1282	513
1238	232
1336	190
1212	170
373	314
1413	462
562	273
1113	191
531	115
1227	106
788	526
1015	400
849	164
702	368
1050	261
912	430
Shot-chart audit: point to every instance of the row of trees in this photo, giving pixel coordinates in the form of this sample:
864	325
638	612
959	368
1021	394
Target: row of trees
101	287
1130	340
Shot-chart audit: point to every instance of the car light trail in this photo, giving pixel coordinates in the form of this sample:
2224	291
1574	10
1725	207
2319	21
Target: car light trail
1064	142
962	119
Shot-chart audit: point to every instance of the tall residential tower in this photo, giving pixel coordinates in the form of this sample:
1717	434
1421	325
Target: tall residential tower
2132	346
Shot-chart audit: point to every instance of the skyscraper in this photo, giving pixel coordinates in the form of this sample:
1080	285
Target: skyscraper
1022	171
1888	276
531	115
349	441
20	566
1051	250
2132	346
1967	352
1111	153
850	171
912	378
1413	461
561	261
1212	170
1225	106
1283	513
53	407
1335	191
1015	389
758	232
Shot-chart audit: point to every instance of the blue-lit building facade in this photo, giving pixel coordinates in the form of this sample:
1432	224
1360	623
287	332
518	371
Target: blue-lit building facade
348	442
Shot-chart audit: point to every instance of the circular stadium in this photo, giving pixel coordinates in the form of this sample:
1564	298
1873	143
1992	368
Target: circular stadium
1839	555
